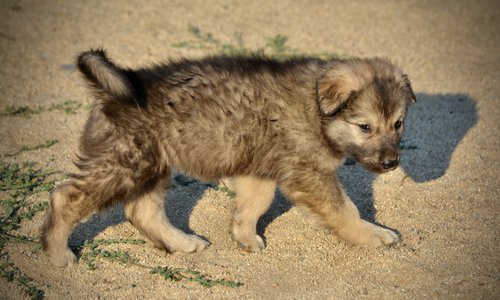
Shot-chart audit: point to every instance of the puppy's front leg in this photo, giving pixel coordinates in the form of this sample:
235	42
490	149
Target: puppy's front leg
253	198
324	196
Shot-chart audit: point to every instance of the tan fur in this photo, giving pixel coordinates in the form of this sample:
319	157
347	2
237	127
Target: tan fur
109	78
147	214
260	123
253	198
57	226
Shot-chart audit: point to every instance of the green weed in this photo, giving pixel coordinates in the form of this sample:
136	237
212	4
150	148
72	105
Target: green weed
206	41
178	274
24	111
275	46
68	106
11	273
230	193
47	144
92	251
24	179
19	181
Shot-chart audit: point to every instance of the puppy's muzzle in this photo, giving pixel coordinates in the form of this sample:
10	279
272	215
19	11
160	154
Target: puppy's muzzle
389	164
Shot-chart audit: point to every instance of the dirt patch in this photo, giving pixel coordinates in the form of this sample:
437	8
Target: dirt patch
443	199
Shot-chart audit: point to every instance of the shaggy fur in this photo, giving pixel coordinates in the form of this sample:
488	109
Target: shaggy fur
255	120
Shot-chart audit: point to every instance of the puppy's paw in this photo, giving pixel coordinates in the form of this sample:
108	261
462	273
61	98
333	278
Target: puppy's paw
250	243
62	258
381	236
371	235
189	243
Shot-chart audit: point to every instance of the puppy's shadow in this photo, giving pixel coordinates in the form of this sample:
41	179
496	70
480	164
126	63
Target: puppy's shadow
434	127
279	206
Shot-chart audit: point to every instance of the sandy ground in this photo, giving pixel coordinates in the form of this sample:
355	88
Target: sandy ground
444	199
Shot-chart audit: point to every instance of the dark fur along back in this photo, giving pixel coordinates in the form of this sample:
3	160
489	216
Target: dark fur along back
209	118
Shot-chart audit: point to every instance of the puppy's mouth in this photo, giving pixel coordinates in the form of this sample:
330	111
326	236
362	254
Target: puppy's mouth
381	167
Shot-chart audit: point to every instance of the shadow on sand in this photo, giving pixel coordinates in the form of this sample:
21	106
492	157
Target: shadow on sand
434	127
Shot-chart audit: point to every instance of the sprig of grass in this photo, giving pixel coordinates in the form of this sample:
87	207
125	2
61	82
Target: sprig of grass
47	144
15	211
25	111
279	48
275	46
19	181
178	274
11	273
92	251
68	106
208	41
24	179
230	193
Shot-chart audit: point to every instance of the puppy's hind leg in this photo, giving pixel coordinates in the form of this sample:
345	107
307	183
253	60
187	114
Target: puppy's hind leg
101	183
253	198
147	214
67	208
73	201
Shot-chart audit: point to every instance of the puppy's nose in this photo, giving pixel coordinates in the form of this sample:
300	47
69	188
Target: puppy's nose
389	164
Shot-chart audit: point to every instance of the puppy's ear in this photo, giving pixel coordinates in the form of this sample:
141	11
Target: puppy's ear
337	87
406	85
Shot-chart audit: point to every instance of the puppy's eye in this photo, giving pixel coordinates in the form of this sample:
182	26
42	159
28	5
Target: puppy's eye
365	128
398	124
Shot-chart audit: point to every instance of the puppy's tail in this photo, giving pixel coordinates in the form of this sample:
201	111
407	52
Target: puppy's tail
106	76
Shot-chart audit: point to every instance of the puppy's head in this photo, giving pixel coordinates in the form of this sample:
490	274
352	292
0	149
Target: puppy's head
364	103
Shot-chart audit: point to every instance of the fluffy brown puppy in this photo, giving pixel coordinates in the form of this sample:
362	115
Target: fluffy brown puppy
255	120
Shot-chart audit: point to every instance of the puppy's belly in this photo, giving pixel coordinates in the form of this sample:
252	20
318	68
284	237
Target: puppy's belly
212	160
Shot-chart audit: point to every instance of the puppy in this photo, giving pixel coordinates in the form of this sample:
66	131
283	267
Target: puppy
260	122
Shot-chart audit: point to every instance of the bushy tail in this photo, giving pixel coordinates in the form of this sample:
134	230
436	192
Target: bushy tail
106	76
